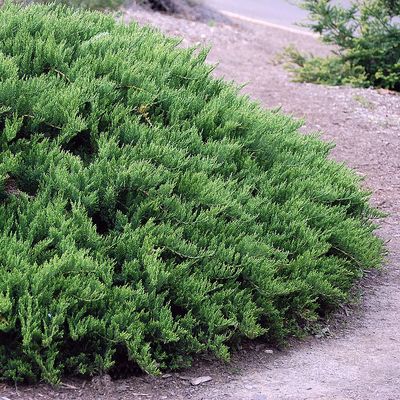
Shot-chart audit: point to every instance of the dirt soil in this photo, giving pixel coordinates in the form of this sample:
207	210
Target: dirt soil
352	357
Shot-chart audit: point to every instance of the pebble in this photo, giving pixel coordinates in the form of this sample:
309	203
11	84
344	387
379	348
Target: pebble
259	397
200	380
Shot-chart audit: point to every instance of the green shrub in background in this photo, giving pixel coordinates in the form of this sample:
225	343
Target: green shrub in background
148	212
367	38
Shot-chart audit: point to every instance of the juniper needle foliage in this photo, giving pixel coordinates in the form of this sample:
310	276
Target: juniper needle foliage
148	212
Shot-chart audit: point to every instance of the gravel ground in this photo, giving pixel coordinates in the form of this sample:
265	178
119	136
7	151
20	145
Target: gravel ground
353	357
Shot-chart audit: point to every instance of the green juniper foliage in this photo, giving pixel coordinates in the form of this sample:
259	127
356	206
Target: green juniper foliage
82	4
148	212
169	6
367	37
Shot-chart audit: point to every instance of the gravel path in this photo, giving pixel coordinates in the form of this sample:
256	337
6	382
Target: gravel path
360	360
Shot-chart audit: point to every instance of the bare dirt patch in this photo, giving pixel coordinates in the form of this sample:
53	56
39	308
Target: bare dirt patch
355	357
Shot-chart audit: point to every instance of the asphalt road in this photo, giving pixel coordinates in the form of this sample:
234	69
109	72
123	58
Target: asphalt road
282	12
